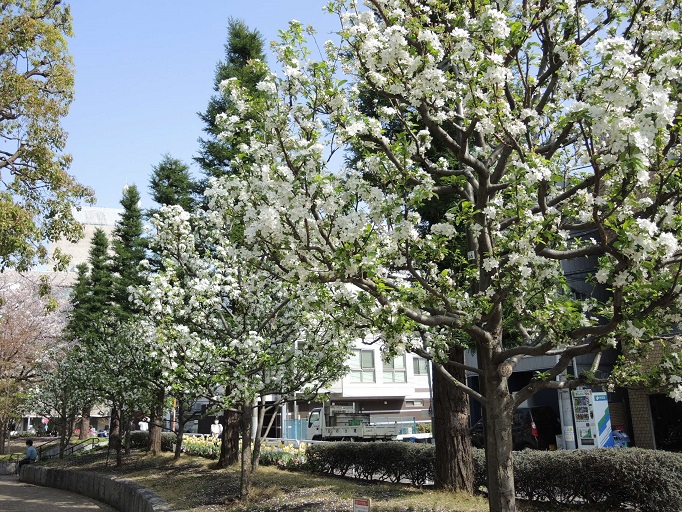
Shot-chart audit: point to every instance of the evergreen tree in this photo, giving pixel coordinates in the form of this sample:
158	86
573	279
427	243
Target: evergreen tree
100	298
450	406
242	46
215	156
129	251
91	299
92	294
79	318
171	184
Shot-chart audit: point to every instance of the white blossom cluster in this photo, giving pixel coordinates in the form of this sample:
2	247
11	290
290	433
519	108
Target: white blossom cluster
558	137
222	323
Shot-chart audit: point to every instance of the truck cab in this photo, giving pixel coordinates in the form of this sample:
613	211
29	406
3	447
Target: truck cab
315	424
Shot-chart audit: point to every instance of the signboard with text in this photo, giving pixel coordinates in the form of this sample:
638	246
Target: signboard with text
361	504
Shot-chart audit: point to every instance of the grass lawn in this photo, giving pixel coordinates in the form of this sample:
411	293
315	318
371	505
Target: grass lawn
194	484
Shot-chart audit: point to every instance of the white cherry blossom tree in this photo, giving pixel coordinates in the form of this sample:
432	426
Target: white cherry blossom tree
560	123
222	325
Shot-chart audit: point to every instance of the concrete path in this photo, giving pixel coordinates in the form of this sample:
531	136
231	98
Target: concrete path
16	496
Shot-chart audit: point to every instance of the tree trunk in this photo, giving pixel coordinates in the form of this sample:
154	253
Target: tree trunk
3	439
258	438
179	434
272	421
85	423
454	469
497	418
62	432
229	447
498	455
245	424
115	434
4	434
128	427
156	423
62	443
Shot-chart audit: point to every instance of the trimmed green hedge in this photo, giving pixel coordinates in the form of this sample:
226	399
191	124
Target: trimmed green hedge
392	461
139	440
648	480
645	480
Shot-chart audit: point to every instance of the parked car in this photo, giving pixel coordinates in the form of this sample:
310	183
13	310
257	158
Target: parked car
532	428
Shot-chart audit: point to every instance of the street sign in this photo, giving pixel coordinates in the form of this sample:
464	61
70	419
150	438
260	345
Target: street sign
361	504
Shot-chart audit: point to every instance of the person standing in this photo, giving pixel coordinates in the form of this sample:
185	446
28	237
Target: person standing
144	425
216	428
31	456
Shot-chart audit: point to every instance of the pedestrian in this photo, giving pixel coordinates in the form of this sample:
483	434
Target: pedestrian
216	428
31	456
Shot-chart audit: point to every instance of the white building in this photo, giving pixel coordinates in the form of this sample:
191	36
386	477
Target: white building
389	391
92	218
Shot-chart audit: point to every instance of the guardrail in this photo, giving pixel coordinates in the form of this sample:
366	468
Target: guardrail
86	445
53	450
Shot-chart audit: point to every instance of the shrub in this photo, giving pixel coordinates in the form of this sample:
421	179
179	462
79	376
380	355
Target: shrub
168	439
610	478
646	480
139	440
424	428
392	461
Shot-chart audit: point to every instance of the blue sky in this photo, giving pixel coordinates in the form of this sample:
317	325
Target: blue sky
143	71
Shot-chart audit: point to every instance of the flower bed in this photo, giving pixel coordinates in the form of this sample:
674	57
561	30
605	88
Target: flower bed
284	456
202	446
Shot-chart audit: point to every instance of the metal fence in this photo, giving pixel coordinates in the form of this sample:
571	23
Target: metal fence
295	429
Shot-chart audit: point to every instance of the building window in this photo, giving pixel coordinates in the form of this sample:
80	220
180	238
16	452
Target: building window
421	366
362	366
394	371
414	403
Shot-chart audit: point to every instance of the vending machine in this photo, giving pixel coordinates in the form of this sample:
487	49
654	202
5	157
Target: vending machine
592	419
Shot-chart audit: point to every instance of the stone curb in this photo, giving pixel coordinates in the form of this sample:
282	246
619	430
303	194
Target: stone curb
119	493
7	468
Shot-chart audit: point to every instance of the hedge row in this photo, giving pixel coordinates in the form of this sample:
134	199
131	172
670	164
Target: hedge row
392	461
647	480
644	480
139	440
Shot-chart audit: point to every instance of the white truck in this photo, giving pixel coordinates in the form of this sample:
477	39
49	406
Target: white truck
343	423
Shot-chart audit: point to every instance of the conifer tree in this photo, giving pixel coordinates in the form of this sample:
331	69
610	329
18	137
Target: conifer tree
169	184
100	298
79	318
129	251
242	46
449	407
91	299
92	293
172	184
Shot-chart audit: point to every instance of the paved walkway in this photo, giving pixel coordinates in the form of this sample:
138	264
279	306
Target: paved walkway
16	496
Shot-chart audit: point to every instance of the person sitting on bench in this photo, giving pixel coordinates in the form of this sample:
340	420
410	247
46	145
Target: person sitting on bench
31	456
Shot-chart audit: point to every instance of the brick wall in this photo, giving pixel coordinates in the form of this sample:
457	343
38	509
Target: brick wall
642	424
